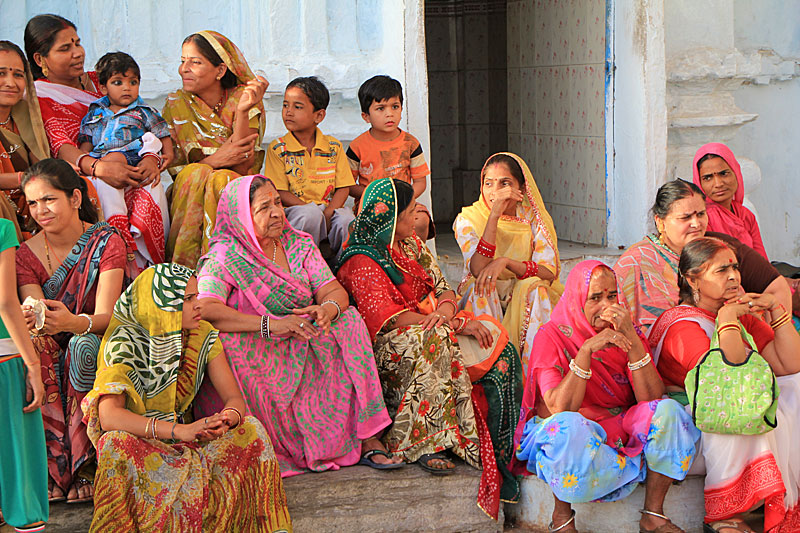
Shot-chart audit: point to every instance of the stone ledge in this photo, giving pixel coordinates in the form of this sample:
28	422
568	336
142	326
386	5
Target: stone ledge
684	506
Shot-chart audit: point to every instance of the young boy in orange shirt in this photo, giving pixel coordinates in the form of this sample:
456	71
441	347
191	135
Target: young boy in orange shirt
309	168
385	150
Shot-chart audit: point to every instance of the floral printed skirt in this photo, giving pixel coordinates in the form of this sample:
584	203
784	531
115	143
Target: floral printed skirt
427	392
570	452
229	484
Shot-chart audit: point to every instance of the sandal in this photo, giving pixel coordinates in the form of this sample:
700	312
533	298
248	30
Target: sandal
552	529
669	527
50	486
81	482
715	527
424	462
366	460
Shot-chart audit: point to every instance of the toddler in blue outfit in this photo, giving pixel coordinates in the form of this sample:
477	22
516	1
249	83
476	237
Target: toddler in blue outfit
120	126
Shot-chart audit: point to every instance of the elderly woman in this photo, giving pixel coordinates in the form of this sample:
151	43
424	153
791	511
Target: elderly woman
77	267
217	123
648	270
741	470
301	356
22	138
156	471
410	313
510	250
717	172
65	92
595	425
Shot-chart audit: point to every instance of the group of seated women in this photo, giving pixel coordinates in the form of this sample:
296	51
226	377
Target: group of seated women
141	408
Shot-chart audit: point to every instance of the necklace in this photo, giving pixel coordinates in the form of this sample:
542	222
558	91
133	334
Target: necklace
6	121
47	248
274	250
221	102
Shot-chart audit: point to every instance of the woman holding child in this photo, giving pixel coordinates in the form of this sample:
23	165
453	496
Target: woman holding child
77	265
22	137
410	312
217	121
741	470
300	354
65	94
510	252
156	471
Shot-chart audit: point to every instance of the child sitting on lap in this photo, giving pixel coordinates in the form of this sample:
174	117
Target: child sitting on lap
120	126
310	169
386	151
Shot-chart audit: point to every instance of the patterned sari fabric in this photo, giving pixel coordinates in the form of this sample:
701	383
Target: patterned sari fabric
604	450
18	148
69	361
229	484
318	398
522	305
199	132
738	221
139	213
741	470
427	389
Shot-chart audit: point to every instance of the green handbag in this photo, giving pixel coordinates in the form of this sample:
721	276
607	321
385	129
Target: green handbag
729	398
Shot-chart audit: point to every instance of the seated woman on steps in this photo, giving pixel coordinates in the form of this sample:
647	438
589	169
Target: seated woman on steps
593	423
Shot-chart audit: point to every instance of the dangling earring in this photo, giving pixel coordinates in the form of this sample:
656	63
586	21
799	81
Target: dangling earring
45	70
695	296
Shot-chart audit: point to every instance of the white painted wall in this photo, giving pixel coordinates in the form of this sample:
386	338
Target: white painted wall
638	143
344	42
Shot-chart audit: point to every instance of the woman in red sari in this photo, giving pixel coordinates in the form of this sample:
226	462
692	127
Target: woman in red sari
135	205
76	266
741	470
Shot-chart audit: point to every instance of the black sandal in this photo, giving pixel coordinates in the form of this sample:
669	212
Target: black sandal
367	460
425	460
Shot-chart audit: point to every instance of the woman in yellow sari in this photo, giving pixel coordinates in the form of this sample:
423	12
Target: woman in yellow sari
23	141
217	125
510	250
156	471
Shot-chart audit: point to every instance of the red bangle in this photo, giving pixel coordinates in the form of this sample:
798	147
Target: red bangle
486	249
531	269
156	156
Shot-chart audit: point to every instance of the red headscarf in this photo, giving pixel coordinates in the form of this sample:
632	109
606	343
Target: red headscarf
740	222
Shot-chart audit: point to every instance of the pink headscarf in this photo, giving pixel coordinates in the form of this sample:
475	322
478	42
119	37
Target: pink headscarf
558	342
741	223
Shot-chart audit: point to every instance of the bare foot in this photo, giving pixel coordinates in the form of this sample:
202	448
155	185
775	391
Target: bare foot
651	523
559	522
54	492
373	443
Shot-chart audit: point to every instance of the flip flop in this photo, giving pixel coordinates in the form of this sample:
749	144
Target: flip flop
55	499
424	463
81	482
366	460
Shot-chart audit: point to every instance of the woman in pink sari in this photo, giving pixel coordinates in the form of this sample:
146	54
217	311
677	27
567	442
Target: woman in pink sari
302	357
130	202
717	172
593	425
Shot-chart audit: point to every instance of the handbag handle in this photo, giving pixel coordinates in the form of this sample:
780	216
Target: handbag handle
742	331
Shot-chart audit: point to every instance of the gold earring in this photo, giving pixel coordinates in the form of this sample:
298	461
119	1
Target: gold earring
219	78
45	70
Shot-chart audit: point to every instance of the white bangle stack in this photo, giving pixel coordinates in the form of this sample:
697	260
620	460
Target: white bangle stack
641	363
578	371
89	327
335	304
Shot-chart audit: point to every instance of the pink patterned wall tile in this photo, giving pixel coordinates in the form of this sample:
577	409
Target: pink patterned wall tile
475	109
515	93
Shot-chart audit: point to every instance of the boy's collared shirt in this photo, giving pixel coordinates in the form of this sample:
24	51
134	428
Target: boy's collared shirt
401	158
311	177
121	131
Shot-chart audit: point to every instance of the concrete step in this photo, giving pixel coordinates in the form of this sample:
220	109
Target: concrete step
357	499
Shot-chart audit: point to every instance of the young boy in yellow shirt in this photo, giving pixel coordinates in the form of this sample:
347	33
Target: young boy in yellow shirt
385	150
309	168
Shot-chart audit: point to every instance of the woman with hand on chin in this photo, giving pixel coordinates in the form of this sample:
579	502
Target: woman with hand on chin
156	471
510	250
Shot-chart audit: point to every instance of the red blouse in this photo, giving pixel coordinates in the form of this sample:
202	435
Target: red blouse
685	343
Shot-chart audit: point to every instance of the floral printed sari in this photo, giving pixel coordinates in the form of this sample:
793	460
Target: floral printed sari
522	305
318	398
229	484
199	132
428	393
